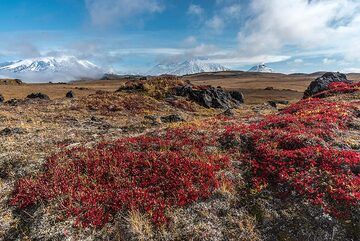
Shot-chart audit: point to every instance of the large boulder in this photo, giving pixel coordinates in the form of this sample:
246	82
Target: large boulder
321	84
210	97
38	96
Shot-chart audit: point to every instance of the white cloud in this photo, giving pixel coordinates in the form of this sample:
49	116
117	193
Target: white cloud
298	61
195	9
241	61
106	12
231	11
328	61
325	25
216	24
189	41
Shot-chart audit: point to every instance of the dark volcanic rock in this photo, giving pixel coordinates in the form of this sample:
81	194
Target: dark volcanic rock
237	96
38	96
1	99
70	94
11	131
274	103
13	102
321	84
269	88
171	118
211	97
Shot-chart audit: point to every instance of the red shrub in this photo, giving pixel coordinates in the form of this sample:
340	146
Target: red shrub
148	174
338	88
291	152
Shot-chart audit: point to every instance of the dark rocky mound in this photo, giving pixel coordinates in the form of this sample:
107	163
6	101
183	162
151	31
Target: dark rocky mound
70	94
10	82
321	84
211	97
38	96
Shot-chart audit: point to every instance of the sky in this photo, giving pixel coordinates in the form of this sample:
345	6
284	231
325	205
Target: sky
134	35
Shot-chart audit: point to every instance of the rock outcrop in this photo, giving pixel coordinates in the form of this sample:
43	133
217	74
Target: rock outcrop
38	96
321	84
211	97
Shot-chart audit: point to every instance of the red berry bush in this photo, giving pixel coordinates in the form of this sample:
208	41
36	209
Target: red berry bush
149	174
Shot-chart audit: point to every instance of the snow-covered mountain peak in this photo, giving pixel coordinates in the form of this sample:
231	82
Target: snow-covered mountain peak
262	68
190	66
41	64
44	69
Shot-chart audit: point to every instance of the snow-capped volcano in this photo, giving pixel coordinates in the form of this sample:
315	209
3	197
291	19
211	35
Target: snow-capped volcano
262	68
192	66
54	64
63	68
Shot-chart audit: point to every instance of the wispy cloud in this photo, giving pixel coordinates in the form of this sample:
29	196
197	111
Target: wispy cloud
107	12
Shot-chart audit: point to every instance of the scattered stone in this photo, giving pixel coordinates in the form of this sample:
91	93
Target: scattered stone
11	131
13	102
171	118
38	96
321	84
228	113
210	97
154	120
70	94
269	88
274	103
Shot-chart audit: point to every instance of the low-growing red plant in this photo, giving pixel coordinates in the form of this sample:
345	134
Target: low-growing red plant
149	174
338	88
292	153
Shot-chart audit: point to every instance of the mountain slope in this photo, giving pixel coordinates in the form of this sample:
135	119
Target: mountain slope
64	68
41	64
262	68
192	66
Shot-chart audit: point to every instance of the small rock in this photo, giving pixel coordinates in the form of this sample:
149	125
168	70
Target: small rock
171	118
153	118
274	103
38	96
70	94
11	131
1	99
228	113
269	88
13	102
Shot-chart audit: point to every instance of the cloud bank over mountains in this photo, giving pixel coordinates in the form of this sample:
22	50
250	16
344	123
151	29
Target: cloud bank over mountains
134	35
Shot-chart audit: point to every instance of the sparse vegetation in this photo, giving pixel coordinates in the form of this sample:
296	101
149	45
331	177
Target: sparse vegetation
93	168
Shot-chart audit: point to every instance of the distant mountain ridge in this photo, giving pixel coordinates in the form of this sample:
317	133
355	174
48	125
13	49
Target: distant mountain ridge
186	67
262	68
62	68
41	64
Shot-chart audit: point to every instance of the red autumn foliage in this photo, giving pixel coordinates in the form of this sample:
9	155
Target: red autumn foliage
338	88
148	174
291	153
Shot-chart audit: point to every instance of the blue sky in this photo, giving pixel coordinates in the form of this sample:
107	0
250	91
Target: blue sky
134	35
